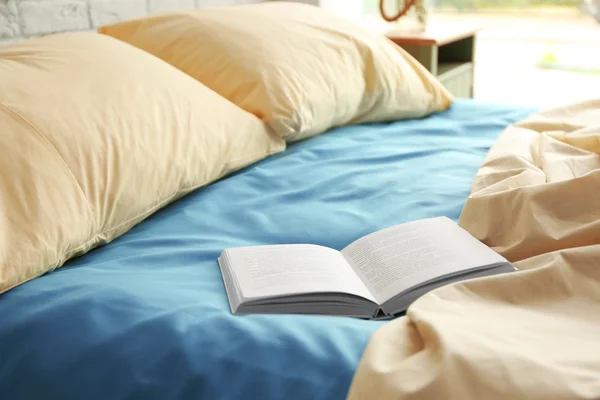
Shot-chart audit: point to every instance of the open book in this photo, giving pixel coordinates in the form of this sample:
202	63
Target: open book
377	276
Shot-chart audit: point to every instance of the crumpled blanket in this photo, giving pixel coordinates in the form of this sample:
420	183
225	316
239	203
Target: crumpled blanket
533	334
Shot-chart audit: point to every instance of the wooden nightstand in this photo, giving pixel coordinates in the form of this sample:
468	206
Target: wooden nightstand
447	51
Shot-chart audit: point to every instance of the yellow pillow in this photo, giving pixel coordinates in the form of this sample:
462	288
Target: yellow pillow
95	135
298	67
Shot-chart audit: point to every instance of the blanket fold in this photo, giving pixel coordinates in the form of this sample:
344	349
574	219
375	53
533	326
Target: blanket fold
533	334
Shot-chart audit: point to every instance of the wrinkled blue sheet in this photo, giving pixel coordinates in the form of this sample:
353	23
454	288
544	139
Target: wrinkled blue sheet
146	317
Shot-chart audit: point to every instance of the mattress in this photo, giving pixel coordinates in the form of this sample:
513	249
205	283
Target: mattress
147	317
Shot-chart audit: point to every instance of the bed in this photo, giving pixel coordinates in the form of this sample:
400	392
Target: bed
146	316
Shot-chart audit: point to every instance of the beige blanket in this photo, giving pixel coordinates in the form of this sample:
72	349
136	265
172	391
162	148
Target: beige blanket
534	334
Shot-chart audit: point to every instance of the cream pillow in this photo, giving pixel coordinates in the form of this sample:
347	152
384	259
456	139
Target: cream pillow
95	135
300	68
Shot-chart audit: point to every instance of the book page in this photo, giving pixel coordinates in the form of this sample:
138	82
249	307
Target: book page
280	270
395	259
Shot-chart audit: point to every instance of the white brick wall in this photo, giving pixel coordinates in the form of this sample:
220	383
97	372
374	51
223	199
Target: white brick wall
9	20
29	18
162	5
40	17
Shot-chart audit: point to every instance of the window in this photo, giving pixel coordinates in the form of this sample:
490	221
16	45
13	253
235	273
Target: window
531	52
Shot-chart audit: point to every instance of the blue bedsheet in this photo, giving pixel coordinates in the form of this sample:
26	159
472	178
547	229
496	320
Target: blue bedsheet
146	317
